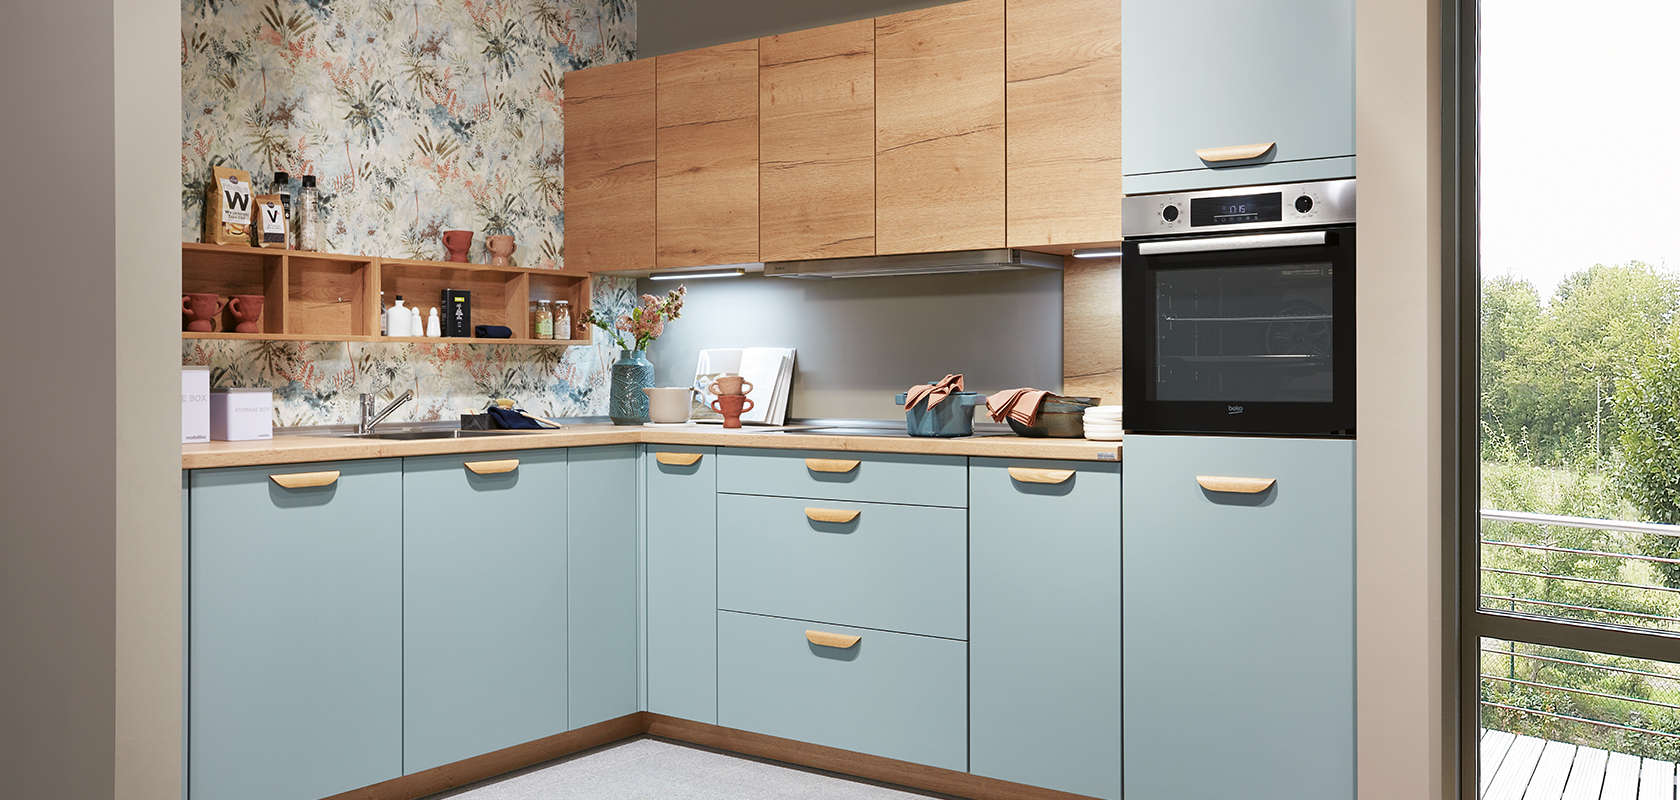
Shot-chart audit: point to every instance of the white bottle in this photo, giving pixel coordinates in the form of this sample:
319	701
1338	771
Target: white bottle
434	327
399	320
416	322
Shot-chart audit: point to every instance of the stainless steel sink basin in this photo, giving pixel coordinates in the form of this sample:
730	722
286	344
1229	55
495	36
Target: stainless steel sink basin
434	434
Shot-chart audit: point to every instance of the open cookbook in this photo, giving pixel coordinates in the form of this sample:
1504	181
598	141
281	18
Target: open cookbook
768	369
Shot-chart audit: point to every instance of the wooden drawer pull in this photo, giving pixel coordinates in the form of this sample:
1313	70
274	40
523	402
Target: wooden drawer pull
827	639
1031	475
493	467
678	459
831	515
1241	152
830	465
1215	483
304	480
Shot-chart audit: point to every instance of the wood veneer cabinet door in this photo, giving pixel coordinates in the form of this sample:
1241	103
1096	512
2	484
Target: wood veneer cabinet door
609	167
707	156
1063	100
939	136
816	139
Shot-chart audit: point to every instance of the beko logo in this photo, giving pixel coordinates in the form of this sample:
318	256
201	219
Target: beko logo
1233	409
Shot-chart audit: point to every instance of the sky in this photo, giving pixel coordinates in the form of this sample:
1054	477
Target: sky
1580	136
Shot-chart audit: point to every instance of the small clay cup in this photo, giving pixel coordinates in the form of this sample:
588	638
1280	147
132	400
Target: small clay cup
500	248
247	311
200	309
732	406
457	243
731	384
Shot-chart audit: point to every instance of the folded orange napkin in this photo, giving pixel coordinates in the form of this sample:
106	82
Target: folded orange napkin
934	392
1021	404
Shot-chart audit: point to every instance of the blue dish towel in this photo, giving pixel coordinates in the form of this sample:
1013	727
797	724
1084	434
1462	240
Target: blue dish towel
513	420
493	332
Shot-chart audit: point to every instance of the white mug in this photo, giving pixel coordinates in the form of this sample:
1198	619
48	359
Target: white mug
668	405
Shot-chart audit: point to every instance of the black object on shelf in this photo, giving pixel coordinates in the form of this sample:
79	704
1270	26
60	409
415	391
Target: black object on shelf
457	313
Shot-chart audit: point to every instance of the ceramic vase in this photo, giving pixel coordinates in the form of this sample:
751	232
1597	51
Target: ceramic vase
631	373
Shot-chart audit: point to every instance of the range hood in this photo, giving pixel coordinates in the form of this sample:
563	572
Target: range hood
913	264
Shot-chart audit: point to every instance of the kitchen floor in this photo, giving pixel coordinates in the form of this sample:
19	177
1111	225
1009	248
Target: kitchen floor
648	767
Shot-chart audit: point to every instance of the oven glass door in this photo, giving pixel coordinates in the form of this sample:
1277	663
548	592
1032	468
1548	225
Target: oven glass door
1254	340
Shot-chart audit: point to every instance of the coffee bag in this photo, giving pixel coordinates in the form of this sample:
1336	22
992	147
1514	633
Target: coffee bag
268	221
227	207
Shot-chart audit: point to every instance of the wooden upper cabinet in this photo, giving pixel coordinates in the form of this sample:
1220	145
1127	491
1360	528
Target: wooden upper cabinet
609	219
1063	100
816	139
939	135
707	156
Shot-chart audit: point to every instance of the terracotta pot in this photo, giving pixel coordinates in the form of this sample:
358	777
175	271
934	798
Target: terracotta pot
457	243
500	248
200	309
246	310
732	406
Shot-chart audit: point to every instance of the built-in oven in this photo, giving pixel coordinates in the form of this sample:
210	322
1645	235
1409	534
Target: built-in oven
1237	310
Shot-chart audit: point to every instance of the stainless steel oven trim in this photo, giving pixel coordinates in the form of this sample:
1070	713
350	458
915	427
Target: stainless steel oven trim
1334	202
1250	242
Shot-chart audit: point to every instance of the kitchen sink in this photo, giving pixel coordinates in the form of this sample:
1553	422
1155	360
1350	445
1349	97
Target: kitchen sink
435	434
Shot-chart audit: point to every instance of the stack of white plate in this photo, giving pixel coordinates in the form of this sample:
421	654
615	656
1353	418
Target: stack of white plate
1102	423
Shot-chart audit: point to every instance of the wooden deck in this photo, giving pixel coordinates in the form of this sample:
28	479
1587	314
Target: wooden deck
1526	768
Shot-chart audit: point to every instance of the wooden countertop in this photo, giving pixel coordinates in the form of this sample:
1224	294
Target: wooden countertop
308	449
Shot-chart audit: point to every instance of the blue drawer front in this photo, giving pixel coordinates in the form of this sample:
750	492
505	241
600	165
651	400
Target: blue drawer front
682	583
897	568
877	478
891	695
1238	620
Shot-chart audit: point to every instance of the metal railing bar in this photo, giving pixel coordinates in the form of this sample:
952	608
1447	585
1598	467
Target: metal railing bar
1594	581
1579	608
1627	670
1499	515
1580	719
1487	677
1549	548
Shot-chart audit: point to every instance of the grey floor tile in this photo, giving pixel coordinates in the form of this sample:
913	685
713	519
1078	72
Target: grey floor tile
669	769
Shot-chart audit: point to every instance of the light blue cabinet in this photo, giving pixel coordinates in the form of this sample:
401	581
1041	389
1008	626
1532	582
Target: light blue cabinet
1217	73
484	603
1044	624
601	676
845	475
1238	619
887	694
681	532
295	630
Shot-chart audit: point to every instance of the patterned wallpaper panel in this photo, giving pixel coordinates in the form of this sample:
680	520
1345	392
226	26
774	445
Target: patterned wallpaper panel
417	117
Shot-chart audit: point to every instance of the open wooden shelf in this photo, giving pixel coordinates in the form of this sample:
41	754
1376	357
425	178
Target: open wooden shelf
333	297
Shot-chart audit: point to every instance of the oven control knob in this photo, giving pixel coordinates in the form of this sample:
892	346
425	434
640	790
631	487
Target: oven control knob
1170	213
1303	204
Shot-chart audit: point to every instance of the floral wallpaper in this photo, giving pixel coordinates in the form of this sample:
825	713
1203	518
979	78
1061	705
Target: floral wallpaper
416	117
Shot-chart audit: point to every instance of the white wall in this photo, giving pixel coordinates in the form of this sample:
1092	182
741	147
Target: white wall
1401	676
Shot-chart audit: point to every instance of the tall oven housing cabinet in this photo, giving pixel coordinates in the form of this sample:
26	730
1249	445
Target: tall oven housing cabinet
1238	556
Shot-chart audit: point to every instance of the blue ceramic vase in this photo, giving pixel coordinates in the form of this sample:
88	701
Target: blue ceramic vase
631	373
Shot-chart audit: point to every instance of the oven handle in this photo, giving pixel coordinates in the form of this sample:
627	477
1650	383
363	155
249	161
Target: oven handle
1250	242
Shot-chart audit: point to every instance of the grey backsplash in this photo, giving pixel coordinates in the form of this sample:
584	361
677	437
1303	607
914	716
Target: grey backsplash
862	340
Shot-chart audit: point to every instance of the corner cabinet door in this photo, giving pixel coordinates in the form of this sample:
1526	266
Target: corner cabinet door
707	156
1223	73
295	639
1238	621
601	676
682	675
484	603
609	132
1044	624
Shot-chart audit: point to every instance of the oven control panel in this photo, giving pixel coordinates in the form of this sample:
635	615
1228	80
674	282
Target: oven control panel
1285	205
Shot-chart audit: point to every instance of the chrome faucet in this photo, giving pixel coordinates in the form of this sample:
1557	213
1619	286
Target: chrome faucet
370	419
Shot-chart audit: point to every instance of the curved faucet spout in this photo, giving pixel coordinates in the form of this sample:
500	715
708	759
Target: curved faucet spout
370	419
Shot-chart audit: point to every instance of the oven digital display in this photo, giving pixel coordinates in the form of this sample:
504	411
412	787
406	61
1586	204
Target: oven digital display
1236	209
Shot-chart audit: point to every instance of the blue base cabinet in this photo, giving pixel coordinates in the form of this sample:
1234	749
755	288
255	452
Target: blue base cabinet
1238	631
295	630
601	653
1044	624
484	603
681	523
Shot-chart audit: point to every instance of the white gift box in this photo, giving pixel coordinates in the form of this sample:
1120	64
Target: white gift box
238	415
195	405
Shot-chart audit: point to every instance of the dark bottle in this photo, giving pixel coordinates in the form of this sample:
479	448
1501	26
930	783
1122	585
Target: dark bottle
283	187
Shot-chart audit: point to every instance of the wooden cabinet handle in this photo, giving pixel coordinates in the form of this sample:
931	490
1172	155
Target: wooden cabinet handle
826	639
493	467
678	459
1241	152
831	515
1215	483
830	465
304	480
1032	475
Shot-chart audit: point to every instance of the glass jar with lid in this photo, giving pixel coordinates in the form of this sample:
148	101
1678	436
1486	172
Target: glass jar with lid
542	320
562	319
